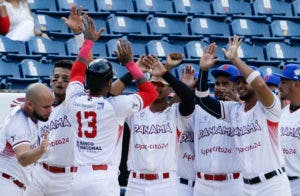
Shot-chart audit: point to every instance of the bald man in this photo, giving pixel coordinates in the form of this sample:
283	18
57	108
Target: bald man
22	147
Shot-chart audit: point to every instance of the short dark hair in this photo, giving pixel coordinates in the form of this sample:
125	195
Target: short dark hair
67	64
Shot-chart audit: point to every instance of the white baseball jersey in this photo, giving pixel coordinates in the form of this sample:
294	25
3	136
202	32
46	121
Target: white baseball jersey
61	144
289	127
18	129
214	144
154	140
256	136
98	124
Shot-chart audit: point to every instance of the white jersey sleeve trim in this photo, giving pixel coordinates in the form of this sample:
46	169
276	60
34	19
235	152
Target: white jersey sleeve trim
20	142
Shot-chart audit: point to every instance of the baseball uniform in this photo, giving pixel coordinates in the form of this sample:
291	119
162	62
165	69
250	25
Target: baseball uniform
54	173
216	161
18	129
289	127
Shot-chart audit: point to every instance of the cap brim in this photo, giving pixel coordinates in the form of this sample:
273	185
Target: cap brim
235	78
282	76
215	73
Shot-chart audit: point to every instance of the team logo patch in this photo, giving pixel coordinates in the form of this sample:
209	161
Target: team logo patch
100	106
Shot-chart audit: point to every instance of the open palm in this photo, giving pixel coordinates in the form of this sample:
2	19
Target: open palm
208	58
232	51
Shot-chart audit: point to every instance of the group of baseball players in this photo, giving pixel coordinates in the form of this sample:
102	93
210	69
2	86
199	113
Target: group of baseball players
68	141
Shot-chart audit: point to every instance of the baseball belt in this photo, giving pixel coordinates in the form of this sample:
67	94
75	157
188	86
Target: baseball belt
218	177
54	169
150	176
268	176
291	178
15	181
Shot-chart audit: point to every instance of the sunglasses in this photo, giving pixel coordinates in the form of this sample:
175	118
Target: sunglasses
159	84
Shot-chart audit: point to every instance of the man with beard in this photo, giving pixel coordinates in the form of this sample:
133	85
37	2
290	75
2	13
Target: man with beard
254	124
20	134
289	124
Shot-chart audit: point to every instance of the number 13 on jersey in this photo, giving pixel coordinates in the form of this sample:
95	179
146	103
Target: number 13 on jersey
90	117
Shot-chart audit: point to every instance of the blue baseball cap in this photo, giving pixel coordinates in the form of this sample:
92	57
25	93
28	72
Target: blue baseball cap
226	69
236	77
272	80
290	72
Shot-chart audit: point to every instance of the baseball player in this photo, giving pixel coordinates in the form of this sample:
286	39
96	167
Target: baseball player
254	124
20	135
212	148
289	124
155	131
98	120
56	166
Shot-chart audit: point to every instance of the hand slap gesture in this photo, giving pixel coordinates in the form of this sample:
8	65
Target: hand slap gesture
208	58
74	22
156	67
124	53
90	31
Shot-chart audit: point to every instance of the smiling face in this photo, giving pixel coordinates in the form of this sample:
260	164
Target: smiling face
286	88
245	91
59	82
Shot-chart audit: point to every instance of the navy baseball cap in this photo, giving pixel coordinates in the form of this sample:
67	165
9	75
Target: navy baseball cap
226	69
236	77
272	80
290	72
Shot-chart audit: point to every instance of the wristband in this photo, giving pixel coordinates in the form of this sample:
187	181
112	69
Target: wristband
202	94
134	70
79	39
126	79
86	49
252	76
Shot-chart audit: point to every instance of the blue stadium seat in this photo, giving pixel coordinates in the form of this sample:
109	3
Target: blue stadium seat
285	28
50	25
296	7
231	7
127	25
167	26
20	83
9	69
42	5
100	21
12	48
250	28
280	51
115	6
65	5
138	47
161	48
268	70
195	7
209	28
195	49
154	6
46	47
272	7
99	49
34	69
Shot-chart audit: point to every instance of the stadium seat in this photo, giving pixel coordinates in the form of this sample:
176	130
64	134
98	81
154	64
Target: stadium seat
285	28
115	6
154	6
34	69
167	26
296	7
46	47
268	70
50	25
65	5
272	8
195	49
250	28
209	28
137	45
161	48
127	25
194	7
20	83
9	69
231	7
280	51
100	21
99	48
42	5
10	47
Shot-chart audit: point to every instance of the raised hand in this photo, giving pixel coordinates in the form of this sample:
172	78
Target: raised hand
44	144
156	67
142	65
232	52
187	76
74	22
208	58
173	60
90	31
124	53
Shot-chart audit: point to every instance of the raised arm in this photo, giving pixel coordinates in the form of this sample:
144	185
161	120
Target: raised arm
187	104
209	104
146	90
264	94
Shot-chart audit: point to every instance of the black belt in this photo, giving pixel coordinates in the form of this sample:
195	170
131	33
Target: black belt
292	178
269	175
186	182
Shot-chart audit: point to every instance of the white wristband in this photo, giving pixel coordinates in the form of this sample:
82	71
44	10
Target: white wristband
79	40
202	94
252	76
